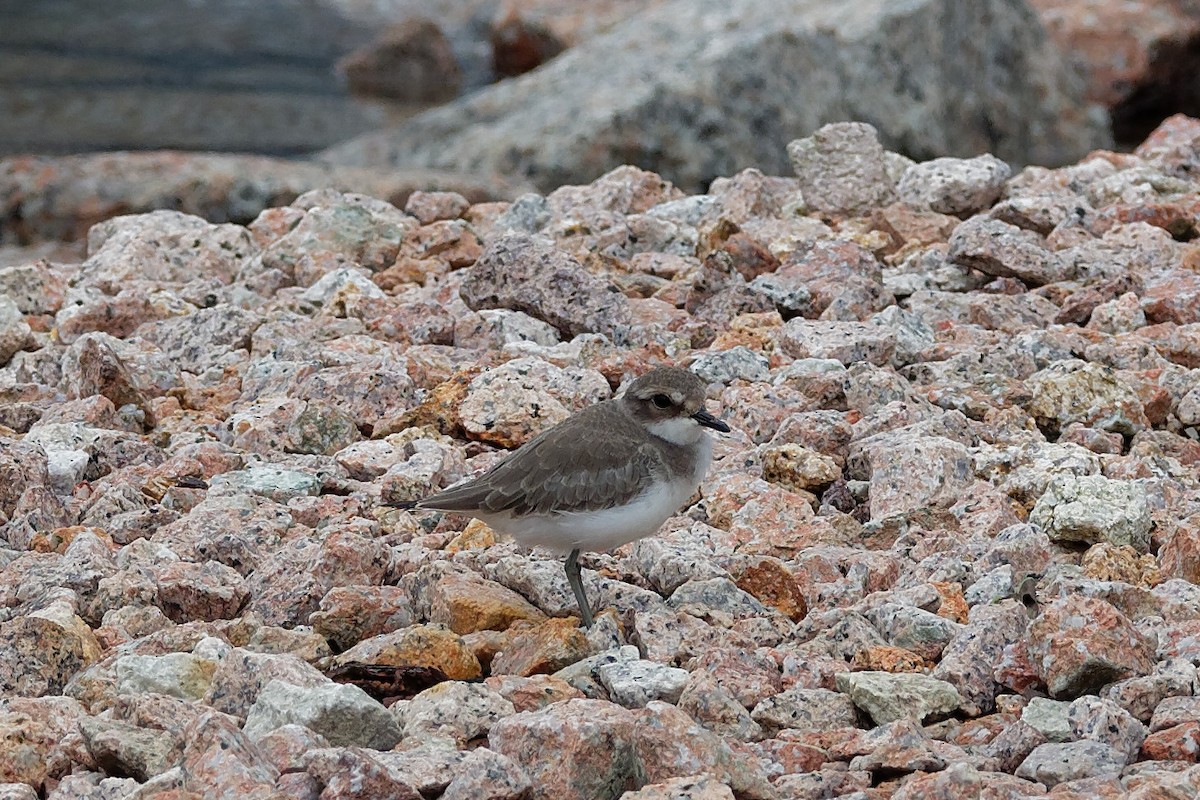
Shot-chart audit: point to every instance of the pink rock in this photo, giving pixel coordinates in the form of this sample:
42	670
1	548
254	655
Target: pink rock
22	466
207	591
750	677
349	614
519	273
702	787
352	773
165	246
900	746
337	230
899	487
428	207
534	692
577	750
969	658
219	760
34	744
292	425
669	744
118	315
1178	743
1079	644
287	746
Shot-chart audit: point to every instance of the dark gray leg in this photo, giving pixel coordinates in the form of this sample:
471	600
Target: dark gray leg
572	567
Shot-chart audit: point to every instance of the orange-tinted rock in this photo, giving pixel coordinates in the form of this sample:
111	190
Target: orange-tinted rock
467	603
1178	743
772	583
954	604
1108	562
476	536
439	410
542	648
431	646
885	658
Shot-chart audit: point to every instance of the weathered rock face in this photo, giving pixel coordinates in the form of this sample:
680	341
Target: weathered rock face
735	81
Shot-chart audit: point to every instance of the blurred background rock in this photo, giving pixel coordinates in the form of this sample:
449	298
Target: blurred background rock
493	97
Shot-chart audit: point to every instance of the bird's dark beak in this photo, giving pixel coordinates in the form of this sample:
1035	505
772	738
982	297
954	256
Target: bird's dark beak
709	421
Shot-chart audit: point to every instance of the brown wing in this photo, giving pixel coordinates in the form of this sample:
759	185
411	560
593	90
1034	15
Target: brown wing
576	465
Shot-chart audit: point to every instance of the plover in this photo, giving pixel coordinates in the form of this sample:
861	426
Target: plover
606	476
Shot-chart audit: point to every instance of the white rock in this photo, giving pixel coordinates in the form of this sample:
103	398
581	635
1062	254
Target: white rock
182	675
342	713
1093	508
633	684
340	283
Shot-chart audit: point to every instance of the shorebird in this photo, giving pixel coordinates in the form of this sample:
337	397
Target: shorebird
608	475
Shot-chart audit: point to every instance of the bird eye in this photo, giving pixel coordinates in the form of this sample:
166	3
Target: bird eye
661	401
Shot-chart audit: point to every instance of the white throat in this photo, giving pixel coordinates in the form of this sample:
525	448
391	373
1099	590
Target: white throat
677	430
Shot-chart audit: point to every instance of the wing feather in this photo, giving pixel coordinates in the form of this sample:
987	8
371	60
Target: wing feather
577	465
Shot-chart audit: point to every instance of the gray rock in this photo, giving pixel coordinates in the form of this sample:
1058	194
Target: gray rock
487	775
1049	717
15	333
496	327
1091	394
889	697
847	342
713	86
123	749
242	675
954	185
1144	695
1053	764
1093	508
530	275
1106	722
182	675
341	282
342	713
789	294
633	684
997	248
207	338
277	484
842	169
736	363
805	710
463	711
915	629
718	598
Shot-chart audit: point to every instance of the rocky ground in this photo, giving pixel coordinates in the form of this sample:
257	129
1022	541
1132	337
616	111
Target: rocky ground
950	549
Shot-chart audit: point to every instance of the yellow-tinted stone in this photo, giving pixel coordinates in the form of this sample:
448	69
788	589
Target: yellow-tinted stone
431	646
469	603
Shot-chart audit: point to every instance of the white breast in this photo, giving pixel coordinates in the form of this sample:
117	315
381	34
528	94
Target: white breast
603	529
607	528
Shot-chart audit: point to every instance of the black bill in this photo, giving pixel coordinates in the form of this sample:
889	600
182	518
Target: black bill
709	421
